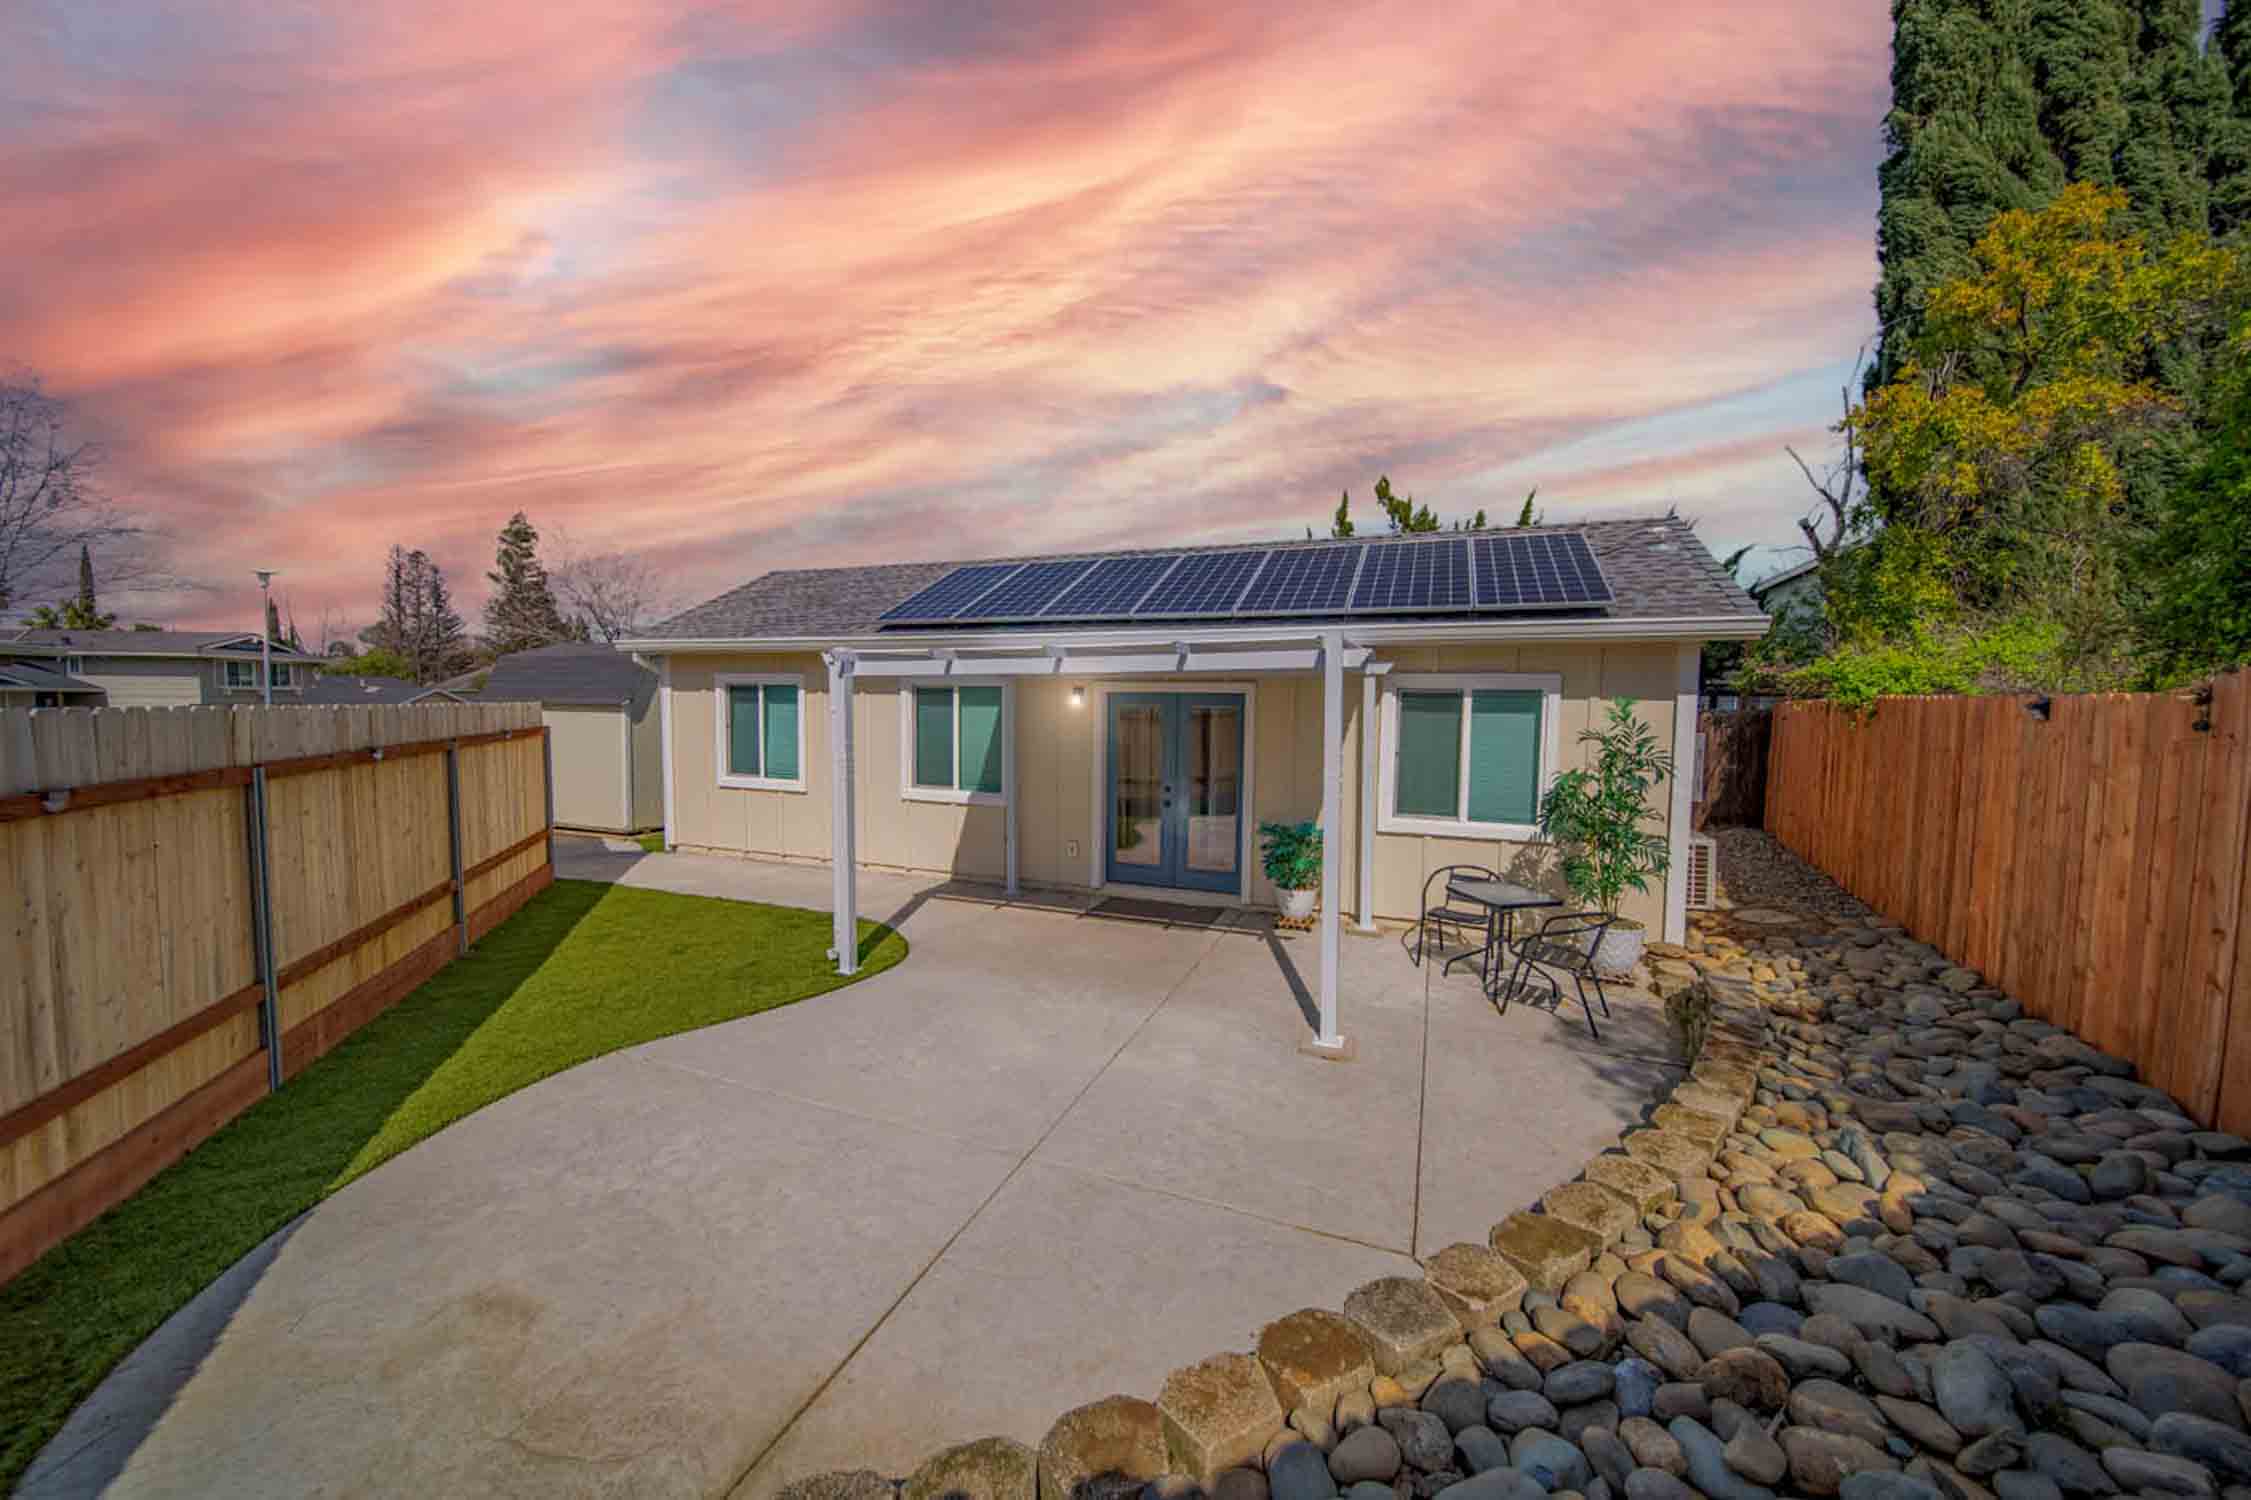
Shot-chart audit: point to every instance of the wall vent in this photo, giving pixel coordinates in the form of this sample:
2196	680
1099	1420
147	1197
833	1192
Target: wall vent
1703	857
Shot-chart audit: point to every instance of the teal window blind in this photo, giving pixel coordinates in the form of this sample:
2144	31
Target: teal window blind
742	731
934	737
1504	757
781	730
1428	781
980	739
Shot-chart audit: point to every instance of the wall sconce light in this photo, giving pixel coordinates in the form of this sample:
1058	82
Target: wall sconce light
1078	695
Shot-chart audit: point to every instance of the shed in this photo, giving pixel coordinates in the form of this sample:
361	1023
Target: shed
599	708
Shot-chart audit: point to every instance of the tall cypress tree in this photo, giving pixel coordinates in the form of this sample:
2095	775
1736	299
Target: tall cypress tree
2178	111
2230	167
521	613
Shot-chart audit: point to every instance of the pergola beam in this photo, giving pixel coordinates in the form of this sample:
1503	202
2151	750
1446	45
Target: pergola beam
1061	661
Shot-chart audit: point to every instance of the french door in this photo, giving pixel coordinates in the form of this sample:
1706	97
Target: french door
1175	814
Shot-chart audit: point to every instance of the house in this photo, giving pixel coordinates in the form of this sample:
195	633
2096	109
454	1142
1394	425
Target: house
600	708
26	683
339	690
158	668
1790	592
1125	721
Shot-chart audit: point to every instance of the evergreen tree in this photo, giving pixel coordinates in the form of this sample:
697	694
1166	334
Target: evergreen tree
2179	115
86	602
2230	167
1340	525
417	622
521	613
79	612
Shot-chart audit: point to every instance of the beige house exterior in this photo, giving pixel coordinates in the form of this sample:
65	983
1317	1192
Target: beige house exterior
1125	722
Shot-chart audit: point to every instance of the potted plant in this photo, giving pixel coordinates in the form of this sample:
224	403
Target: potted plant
1293	864
1597	817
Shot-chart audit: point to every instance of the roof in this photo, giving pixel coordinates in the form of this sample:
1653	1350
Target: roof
1774	581
1658	568
338	689
568	672
41	678
138	643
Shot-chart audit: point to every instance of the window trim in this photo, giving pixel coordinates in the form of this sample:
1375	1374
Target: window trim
721	717
74	666
227	664
1550	687
955	795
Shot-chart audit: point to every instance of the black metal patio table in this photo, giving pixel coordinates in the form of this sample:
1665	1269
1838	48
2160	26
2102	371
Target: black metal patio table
1502	899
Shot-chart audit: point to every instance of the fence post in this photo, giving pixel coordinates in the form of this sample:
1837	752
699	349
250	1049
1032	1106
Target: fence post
547	766
453	830
262	923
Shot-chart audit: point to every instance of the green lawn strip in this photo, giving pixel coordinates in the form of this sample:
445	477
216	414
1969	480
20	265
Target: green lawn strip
652	843
583	969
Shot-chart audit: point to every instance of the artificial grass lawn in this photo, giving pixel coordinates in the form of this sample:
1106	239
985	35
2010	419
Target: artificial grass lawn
652	843
582	970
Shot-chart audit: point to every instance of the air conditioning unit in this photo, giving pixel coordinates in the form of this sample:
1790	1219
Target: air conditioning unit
1703	856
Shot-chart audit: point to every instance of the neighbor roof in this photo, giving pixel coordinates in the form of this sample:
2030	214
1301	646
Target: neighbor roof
1657	568
574	672
41	678
136	643
329	690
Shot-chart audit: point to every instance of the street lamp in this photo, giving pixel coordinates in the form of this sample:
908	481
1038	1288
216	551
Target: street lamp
266	636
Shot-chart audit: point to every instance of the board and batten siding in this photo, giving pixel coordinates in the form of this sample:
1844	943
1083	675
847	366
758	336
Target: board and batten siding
1058	746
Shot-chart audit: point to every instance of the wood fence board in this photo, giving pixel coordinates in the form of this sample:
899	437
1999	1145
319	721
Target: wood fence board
2216	903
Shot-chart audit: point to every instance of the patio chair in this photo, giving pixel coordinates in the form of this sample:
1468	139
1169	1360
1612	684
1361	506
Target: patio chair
1462	916
1565	943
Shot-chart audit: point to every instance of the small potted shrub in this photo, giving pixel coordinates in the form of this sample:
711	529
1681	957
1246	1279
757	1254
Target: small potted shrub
1293	864
1597	815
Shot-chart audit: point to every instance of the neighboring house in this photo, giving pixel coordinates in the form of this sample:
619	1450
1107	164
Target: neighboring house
1127	720
1791	592
333	690
40	684
162	668
599	706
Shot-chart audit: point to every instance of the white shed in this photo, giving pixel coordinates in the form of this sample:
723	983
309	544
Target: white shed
599	706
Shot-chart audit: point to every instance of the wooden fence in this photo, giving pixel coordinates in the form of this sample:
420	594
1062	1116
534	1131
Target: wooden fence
137	939
2091	861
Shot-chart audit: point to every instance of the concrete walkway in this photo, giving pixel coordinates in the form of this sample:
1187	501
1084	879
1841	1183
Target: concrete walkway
1047	1158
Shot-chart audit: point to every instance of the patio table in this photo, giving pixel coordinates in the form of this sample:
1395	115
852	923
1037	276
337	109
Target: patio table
1502	899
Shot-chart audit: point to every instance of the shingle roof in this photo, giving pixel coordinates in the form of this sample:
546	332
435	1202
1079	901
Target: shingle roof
136	642
570	672
326	689
1657	567
22	673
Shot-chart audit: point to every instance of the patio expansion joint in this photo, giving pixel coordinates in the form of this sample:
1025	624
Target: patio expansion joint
735	1485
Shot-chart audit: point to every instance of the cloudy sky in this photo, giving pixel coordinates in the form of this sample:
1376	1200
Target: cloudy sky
781	283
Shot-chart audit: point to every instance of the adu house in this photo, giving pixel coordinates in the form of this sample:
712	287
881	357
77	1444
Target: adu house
159	668
1125	721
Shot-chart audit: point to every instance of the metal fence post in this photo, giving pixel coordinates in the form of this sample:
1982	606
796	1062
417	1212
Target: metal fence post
547	765
453	827
262	923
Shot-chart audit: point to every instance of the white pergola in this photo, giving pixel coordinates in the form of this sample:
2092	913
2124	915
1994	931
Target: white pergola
1326	652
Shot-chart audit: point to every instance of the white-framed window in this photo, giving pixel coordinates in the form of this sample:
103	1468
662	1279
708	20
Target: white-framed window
953	740
74	666
285	675
761	730
241	676
1468	754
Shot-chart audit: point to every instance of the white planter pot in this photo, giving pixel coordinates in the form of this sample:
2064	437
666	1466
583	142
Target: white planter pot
1620	949
1298	905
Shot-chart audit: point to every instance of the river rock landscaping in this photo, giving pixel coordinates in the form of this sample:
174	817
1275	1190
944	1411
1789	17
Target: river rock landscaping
1893	1239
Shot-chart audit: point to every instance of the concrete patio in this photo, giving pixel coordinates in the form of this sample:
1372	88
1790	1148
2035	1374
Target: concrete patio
1049	1157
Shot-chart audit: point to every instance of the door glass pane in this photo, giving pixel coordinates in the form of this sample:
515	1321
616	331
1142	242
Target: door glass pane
781	731
1504	757
1430	755
1214	786
934	737
980	739
742	731
1137	818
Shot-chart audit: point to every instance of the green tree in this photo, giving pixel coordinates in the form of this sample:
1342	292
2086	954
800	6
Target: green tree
521	613
1340	525
378	661
418	621
1527	516
2195	597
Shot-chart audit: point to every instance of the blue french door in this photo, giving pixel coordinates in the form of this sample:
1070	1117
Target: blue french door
1175	815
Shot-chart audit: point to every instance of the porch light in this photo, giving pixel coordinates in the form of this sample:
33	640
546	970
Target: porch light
1078	695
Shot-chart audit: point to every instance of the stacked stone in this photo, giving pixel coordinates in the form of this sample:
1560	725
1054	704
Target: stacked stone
1891	1240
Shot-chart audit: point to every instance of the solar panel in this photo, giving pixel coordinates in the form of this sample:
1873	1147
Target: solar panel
1205	584
1401	576
1304	581
1111	590
950	594
1023	596
1546	570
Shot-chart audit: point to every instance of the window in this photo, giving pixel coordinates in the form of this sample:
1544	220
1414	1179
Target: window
74	666
283	675
761	732
954	741
242	676
1468	755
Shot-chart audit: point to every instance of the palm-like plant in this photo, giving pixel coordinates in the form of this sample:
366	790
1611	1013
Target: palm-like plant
1596	815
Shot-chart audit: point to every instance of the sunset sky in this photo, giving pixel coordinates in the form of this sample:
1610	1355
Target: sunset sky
798	282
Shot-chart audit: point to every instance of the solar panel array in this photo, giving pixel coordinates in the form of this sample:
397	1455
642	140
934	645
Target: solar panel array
1506	571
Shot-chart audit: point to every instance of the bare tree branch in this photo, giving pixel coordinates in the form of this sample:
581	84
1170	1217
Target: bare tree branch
615	593
50	506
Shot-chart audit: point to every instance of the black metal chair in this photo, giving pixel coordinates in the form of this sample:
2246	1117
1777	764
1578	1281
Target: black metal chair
1564	943
1465	917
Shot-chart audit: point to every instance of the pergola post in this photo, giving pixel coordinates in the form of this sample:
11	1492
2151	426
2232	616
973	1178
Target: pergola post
843	856
1364	914
1330	1041
1008	698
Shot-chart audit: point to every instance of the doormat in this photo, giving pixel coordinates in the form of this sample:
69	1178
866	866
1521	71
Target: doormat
1161	913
